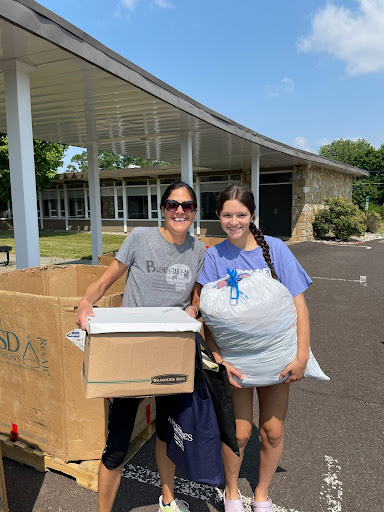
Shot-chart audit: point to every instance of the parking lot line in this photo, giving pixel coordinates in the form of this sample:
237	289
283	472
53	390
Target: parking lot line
362	280
332	488
187	487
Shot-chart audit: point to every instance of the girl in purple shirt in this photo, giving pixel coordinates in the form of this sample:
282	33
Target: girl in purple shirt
246	249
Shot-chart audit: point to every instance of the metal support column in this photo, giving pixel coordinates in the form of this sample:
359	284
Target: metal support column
186	162
94	200
255	185
21	162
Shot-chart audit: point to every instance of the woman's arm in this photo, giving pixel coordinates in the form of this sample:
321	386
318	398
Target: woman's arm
297	366
193	309
96	290
216	354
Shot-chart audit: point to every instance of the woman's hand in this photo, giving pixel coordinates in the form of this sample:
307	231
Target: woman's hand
296	370
85	309
192	311
231	370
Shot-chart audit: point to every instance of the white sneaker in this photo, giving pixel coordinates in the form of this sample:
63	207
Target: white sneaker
175	506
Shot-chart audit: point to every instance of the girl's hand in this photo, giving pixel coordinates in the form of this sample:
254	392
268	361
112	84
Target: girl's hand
231	370
296	370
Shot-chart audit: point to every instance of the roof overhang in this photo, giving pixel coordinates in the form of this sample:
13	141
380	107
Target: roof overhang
82	91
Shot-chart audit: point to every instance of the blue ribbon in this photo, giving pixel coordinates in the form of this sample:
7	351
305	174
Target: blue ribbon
232	281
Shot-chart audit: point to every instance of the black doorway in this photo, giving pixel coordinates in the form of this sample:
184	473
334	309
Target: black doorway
276	210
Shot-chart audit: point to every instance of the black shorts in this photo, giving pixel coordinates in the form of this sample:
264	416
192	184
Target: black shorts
121	420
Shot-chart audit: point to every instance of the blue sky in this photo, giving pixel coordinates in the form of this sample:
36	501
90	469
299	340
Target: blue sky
303	72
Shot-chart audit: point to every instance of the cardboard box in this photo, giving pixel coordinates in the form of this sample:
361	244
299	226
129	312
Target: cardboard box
146	414
42	402
139	351
105	259
210	241
3	491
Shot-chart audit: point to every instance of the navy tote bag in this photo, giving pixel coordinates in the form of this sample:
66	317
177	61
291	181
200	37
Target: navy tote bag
192	433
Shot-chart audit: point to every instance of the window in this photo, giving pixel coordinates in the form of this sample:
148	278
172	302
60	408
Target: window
5	210
76	203
137	202
153	203
209	191
50	203
120	209
275	177
107	203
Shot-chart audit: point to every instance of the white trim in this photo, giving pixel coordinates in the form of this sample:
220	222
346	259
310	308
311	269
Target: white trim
149	201
158	202
65	206
41	209
255	186
58	199
125	206
115	201
86	216
198	205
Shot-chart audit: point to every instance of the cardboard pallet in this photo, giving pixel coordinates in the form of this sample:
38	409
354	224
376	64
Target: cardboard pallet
85	472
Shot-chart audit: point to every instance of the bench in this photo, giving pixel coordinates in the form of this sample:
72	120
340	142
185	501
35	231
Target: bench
5	248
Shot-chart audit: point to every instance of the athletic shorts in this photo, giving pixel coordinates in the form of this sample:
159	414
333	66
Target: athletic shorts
121	420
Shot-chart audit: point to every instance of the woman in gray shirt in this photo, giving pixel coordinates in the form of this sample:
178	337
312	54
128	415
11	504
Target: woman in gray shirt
164	265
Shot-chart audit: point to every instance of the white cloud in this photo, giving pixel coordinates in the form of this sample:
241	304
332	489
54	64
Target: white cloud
164	4
354	37
301	143
286	86
323	141
131	5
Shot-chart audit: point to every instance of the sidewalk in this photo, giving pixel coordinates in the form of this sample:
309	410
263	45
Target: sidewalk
43	262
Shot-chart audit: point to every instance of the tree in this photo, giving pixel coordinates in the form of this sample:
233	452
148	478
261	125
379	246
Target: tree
109	161
48	158
360	153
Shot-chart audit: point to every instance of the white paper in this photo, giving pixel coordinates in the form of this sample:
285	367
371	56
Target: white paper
77	337
167	319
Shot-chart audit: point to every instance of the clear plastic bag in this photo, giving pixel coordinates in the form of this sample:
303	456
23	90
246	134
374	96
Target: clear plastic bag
255	328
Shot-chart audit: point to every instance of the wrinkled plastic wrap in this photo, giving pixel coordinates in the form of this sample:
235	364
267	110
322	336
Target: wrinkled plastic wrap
256	332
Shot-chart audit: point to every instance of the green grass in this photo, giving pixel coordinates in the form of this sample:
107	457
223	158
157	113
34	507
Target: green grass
67	245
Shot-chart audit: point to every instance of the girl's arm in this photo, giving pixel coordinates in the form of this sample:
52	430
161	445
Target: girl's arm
297	366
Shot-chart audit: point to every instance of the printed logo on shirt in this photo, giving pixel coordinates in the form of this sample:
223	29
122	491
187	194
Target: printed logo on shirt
178	275
263	271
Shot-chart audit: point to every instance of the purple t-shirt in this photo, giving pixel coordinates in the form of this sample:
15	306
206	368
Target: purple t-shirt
226	255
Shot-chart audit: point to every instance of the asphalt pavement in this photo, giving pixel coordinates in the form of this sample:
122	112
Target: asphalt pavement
333	454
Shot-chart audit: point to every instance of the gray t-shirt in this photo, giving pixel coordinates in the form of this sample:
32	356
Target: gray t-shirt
160	273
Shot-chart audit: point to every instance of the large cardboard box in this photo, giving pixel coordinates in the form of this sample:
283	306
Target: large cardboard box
42	402
210	241
105	259
3	492
139	351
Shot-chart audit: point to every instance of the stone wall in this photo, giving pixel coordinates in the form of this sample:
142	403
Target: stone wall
310	186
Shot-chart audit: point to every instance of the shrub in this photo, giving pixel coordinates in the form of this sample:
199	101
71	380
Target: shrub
373	221
377	209
341	218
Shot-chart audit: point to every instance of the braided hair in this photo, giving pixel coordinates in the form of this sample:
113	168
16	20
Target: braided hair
245	196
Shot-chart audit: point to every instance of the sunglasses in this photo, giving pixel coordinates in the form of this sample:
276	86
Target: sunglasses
172	206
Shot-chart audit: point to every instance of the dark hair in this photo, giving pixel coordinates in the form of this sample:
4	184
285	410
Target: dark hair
245	196
173	186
